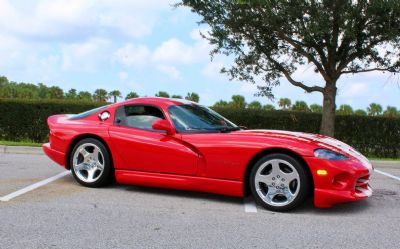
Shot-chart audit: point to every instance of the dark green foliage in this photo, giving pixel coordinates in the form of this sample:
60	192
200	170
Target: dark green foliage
26	119
372	136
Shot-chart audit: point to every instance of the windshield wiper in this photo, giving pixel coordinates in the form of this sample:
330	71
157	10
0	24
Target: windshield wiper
229	129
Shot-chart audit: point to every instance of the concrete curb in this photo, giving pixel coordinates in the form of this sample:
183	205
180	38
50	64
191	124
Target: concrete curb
5	149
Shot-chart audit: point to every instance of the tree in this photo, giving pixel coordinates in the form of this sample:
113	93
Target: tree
131	95
56	93
374	109
100	95
316	108
391	111
221	103
71	94
3	81
270	39
254	105
360	112
238	101
162	94
284	103
269	107
300	106
85	95
193	97
115	94
176	96
345	110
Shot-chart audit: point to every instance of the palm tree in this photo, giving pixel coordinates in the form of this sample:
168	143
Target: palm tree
391	111
115	94
284	103
238	101
345	110
254	105
316	108
176	96
84	95
100	95
269	107
374	109
300	106
162	94
193	97
360	112
221	103
131	95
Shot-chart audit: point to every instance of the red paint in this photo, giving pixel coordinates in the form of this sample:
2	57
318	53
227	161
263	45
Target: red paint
208	162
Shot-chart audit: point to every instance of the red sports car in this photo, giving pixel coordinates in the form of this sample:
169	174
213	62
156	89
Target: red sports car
178	144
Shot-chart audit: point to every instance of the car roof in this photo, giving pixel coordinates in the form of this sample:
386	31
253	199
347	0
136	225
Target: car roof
156	101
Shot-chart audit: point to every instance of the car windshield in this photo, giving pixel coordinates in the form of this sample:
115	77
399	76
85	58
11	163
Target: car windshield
195	118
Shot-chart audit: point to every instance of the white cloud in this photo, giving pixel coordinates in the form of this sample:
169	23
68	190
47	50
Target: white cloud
355	90
77	19
85	56
213	70
132	55
175	51
171	71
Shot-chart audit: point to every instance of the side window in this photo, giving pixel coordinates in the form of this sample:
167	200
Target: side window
138	116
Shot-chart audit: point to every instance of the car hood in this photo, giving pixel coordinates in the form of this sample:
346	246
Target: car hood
316	139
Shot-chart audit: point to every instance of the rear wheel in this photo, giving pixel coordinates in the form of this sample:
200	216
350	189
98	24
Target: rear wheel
279	182
90	163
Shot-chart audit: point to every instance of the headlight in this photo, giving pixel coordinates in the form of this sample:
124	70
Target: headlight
329	155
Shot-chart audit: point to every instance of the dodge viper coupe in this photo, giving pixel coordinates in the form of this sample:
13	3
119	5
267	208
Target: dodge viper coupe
170	143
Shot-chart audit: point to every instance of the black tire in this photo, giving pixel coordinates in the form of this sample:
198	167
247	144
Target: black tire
104	177
301	184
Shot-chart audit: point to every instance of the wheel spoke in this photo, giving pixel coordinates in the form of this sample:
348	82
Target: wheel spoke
267	179
271	194
84	153
96	154
81	166
90	176
99	166
275	168
289	177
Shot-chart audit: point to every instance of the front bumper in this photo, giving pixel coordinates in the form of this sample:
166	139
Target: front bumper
55	155
345	181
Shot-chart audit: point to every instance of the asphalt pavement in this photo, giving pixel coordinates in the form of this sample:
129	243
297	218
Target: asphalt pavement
59	213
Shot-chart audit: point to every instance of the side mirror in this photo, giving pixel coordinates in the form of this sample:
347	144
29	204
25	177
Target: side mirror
163	125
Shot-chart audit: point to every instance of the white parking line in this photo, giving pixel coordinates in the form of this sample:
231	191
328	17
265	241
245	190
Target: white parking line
387	174
250	205
33	186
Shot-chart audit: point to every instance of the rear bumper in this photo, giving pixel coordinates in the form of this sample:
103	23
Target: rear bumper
345	181
56	156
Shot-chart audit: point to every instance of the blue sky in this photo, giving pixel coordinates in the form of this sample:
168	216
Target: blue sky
142	46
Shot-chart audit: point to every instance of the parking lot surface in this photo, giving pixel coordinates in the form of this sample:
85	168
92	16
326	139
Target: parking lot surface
63	214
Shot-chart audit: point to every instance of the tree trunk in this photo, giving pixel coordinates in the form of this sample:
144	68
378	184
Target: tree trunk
328	110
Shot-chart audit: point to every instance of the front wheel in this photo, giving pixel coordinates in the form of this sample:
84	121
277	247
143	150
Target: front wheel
90	163
279	182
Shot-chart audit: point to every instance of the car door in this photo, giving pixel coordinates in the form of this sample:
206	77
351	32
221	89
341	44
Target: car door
145	149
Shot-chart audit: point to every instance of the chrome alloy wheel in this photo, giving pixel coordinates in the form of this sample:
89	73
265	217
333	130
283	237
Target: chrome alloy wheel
88	162
277	182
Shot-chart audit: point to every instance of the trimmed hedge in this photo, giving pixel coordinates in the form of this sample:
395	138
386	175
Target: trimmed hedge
22	120
372	136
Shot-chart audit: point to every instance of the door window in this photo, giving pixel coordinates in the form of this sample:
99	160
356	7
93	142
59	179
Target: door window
138	116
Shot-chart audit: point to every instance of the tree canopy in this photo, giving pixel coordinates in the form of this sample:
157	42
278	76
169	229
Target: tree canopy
270	39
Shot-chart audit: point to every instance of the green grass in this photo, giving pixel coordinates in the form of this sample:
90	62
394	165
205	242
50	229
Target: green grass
383	159
21	143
